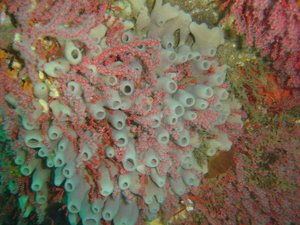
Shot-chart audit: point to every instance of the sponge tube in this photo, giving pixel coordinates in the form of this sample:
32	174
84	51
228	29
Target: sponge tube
162	136
185	98
74	89
30	166
69	169
150	192
86	214
72	53
75	198
175	106
221	93
97	205
110	80
203	65
110	152
54	68
129	160
97	111
39	178
155	120
127	87
190	178
111	208
167	41
43	152
59	159
209	52
167	84
202	91
112	99
151	158
216	79
60	111
124	181
34	139
157	179
20	157
126	214
154	207
41	90
160	195
54	132
86	153
190	115
58	176
127	37
184	138
63	144
120	137
98	32
72	183
117	119
200	104
178	186
41	196
106	182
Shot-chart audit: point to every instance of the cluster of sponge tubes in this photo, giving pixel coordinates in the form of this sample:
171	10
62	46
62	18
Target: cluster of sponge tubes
152	138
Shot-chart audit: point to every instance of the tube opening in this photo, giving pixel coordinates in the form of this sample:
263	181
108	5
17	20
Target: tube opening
120	124
121	141
172	56
179	110
85	156
41	200
164	139
89	221
190	101
112	80
220	80
74	208
184	141
209	92
129	163
66	172
100	115
212	52
107	215
172	86
191	181
169	45
26	171
205	65
33	142
69	186
116	104
53	135
36	187
127	89
154	162
125	37
75	53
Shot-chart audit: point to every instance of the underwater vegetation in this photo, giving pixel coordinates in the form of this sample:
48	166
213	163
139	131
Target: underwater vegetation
274	28
147	112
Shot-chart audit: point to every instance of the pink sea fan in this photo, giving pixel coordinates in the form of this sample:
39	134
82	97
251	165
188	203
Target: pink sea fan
274	28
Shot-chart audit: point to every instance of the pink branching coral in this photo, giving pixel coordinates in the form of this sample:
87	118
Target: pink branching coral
273	26
263	186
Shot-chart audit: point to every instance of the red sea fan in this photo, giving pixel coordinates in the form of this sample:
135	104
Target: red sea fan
273	26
